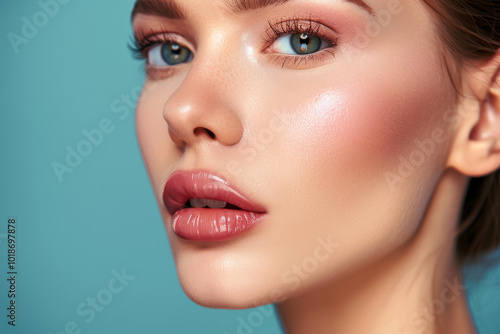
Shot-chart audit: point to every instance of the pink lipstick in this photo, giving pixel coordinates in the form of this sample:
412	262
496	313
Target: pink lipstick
205	207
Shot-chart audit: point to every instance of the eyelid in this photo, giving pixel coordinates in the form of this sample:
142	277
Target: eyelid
159	73
286	27
142	42
283	27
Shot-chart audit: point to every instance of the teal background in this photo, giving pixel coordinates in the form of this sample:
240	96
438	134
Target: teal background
102	218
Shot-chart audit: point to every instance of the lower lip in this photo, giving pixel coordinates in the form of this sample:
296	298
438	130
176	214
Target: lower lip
204	224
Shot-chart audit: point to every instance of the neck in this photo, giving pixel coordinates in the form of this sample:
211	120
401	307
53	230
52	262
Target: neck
417	289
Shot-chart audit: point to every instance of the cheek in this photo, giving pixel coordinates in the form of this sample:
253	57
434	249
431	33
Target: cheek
364	127
157	149
361	134
342	142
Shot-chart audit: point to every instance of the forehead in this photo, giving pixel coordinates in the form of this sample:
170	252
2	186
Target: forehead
174	9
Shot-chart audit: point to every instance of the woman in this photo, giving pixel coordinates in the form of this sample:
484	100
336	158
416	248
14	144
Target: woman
318	154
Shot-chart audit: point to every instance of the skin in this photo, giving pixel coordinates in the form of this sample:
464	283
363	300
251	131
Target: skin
329	172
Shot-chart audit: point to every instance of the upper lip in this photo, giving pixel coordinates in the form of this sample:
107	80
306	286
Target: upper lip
182	186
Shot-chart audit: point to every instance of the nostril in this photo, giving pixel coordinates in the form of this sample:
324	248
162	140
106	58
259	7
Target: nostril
209	132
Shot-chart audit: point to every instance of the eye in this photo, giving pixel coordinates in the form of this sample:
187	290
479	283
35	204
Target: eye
299	44
168	54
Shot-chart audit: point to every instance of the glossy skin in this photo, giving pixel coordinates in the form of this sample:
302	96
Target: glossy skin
321	145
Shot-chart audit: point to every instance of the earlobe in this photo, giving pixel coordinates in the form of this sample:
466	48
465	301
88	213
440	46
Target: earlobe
476	148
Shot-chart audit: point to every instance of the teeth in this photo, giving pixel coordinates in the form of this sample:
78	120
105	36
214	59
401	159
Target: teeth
216	204
198	202
202	202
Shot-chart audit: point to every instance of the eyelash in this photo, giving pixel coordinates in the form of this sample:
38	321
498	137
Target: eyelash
142	42
296	26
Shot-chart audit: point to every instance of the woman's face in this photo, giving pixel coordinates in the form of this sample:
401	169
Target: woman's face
331	116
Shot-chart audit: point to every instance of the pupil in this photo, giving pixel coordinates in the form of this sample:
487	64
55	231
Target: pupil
305	43
174	54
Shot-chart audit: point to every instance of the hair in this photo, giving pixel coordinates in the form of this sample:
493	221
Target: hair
470	31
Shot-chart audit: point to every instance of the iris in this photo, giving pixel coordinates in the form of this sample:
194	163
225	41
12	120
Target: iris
174	54
305	43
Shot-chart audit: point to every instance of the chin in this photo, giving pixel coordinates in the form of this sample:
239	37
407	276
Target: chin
223	293
225	277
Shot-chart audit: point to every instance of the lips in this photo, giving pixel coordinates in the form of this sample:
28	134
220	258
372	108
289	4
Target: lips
214	223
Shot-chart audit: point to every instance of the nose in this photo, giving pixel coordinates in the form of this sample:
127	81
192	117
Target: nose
203	108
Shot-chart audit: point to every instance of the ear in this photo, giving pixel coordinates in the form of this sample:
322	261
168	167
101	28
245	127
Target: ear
475	151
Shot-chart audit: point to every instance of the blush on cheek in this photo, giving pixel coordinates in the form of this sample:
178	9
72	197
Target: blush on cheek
386	119
386	102
365	129
385	124
354	128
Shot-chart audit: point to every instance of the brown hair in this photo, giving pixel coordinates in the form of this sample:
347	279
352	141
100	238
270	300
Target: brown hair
470	30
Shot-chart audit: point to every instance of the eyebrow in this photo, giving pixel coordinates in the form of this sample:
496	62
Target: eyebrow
171	9
165	8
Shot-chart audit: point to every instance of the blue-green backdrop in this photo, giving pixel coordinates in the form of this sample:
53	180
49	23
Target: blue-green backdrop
91	232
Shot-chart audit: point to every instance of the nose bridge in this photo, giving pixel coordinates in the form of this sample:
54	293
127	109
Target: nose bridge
203	105
218	61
